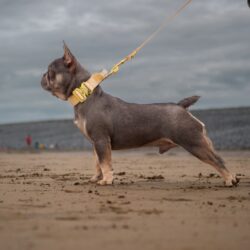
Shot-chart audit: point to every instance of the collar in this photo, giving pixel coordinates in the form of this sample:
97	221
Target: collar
80	94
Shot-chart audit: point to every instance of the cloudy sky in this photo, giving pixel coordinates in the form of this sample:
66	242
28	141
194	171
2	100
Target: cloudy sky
205	51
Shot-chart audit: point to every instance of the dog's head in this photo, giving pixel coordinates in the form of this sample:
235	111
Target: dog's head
63	75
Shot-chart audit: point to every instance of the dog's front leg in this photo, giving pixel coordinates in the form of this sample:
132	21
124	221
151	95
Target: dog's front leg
103	152
98	175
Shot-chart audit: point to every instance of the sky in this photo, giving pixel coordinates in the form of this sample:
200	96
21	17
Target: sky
205	51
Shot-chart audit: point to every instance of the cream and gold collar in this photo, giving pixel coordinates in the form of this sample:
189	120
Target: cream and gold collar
80	95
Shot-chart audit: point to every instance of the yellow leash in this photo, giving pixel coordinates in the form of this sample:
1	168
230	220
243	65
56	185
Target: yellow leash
80	94
167	20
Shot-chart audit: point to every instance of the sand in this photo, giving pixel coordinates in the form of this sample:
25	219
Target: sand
158	202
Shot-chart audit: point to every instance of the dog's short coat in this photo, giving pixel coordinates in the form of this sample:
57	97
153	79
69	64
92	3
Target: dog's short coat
110	123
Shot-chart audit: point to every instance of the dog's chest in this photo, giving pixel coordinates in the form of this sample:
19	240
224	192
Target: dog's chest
81	123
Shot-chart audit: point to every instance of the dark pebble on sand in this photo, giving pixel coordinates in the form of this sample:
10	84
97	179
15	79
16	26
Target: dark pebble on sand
222	205
239	174
121	173
121	196
155	177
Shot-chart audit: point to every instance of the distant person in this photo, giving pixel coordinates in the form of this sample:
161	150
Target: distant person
36	145
28	140
41	146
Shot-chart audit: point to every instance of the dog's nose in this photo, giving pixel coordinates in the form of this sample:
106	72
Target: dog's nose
44	81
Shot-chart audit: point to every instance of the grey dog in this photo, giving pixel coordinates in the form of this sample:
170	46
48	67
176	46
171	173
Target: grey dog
110	123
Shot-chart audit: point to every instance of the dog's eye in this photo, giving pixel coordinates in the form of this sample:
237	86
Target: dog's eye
51	74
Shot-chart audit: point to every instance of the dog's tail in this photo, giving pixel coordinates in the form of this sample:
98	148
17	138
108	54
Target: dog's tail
187	102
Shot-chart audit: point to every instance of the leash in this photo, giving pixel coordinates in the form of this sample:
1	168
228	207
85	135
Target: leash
167	20
80	94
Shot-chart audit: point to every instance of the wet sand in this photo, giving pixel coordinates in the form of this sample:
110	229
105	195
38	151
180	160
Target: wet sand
170	201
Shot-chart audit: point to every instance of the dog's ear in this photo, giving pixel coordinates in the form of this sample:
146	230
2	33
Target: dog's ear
69	58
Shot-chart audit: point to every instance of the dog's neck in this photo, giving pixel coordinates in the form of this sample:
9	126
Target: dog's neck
85	85
81	106
82	75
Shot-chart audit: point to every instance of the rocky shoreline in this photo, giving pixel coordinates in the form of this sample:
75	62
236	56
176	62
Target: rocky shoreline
228	128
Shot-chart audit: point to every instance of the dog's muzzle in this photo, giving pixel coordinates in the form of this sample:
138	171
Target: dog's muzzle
45	82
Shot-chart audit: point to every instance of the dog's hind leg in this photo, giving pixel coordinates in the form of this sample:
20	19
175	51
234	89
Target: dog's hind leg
98	175
202	148
103	152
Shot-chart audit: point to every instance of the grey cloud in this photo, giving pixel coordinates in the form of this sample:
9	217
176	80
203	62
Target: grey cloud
204	51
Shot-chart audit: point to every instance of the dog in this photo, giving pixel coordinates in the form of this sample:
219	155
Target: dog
110	123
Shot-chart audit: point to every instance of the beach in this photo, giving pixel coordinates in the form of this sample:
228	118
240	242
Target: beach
170	201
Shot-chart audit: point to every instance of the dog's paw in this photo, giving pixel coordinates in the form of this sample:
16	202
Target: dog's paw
108	179
95	178
232	182
104	182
